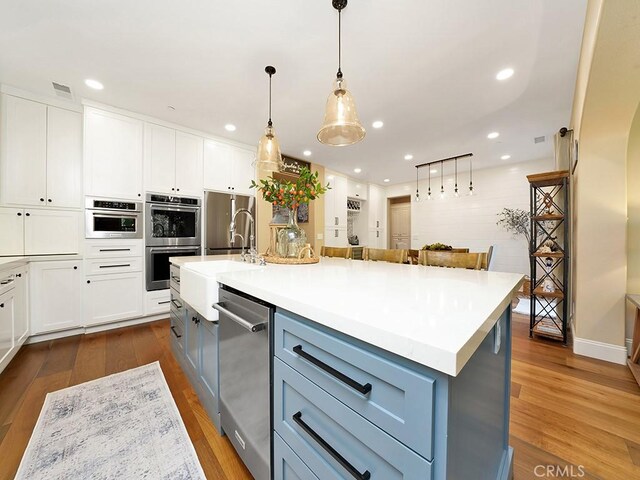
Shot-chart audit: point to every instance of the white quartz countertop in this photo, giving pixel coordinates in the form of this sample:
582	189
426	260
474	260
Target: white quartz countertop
6	262
180	261
434	316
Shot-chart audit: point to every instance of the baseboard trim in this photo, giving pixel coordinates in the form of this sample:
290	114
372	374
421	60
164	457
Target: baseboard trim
601	351
629	342
43	337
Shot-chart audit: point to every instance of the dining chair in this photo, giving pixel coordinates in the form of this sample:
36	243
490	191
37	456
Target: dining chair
471	261
412	256
385	255
336	252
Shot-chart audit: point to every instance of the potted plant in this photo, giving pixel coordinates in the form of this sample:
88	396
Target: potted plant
291	194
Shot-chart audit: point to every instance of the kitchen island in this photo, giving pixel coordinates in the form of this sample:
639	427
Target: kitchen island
386	371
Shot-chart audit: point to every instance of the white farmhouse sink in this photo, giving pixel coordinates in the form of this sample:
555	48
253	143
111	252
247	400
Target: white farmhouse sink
199	283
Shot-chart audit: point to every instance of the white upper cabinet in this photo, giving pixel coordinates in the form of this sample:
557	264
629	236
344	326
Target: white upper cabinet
159	158
377	205
113	155
335	202
23	152
41	154
51	232
189	152
173	161
356	189
228	168
64	158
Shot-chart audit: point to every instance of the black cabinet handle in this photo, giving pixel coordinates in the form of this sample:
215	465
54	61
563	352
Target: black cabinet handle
75	268
164	303
115	266
173	189
28	214
297	417
195	320
176	303
49	200
88	281
19	275
363	389
1	305
115	249
178	189
173	329
42	199
19	214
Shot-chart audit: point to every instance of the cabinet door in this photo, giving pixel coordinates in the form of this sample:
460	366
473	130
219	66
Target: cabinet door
191	350
11	231
373	205
21	316
113	155
55	299
50	232
218	161
23	151
356	189
243	171
189	151
340	200
7	314
64	158
335	237
208	359
159	158
113	297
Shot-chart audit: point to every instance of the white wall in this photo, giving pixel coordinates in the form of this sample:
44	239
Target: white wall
470	221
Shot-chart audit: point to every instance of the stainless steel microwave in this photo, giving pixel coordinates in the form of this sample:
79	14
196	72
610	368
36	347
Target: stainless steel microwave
110	218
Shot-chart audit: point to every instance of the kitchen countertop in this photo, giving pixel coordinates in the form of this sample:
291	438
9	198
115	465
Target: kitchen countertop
13	261
433	316
180	261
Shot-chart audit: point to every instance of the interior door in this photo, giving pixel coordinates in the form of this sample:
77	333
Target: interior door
400	225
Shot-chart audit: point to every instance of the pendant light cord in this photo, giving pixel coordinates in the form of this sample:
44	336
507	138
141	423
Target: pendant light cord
270	123
339	44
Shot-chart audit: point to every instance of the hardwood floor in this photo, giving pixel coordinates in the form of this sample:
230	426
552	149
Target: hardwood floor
569	414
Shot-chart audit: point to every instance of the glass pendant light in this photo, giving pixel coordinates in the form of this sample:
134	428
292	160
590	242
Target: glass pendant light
470	176
341	124
269	157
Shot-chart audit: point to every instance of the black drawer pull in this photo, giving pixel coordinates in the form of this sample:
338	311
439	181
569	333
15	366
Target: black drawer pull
164	303
116	266
173	329
297	417
176	303
363	389
115	249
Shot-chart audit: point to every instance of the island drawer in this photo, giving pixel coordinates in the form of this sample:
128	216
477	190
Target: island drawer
333	440
286	464
177	331
396	399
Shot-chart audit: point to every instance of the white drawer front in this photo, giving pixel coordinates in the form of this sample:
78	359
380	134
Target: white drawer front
96	266
157	302
113	248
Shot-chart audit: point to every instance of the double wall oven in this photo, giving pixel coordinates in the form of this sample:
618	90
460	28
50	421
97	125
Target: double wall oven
172	226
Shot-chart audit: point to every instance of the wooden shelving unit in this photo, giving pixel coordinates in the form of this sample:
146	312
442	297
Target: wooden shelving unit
549	204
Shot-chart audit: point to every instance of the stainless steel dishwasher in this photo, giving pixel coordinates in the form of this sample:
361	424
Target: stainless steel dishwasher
245	377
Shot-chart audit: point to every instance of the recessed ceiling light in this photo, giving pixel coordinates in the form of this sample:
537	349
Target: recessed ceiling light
386	180
95	84
504	74
505	157
306	153
434	170
229	127
357	170
493	135
377	124
408	156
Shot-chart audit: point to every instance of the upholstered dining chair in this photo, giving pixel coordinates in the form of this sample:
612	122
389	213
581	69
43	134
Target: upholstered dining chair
385	255
337	252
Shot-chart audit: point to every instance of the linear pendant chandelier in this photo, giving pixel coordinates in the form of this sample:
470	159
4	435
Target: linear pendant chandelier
441	163
341	124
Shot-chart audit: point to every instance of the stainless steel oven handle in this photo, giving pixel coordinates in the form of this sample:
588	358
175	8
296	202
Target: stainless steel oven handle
252	327
173	209
115	215
173	249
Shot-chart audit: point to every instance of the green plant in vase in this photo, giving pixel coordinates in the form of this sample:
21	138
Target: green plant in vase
290	195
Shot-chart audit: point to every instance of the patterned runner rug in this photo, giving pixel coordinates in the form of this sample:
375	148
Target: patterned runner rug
124	426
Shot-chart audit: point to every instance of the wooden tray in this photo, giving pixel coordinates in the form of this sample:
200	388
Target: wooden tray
291	261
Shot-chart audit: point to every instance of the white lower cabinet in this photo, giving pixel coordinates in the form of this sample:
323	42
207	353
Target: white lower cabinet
113	297
7	319
21	321
55	295
157	302
335	237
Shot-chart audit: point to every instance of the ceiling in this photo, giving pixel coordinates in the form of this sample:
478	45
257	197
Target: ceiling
425	68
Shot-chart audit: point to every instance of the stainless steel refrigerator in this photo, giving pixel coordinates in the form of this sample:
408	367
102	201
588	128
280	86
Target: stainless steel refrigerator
219	209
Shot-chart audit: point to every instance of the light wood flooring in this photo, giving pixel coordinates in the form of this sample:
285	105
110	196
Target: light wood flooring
566	410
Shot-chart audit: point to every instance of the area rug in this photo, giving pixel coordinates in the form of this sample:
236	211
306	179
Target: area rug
124	426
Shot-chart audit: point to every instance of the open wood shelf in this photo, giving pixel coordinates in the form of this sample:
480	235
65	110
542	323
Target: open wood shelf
552	254
553	216
548	179
538	292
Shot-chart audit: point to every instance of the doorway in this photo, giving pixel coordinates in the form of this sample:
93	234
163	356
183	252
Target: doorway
400	222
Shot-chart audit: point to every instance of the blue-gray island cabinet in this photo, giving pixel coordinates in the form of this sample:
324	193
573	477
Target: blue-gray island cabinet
346	409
